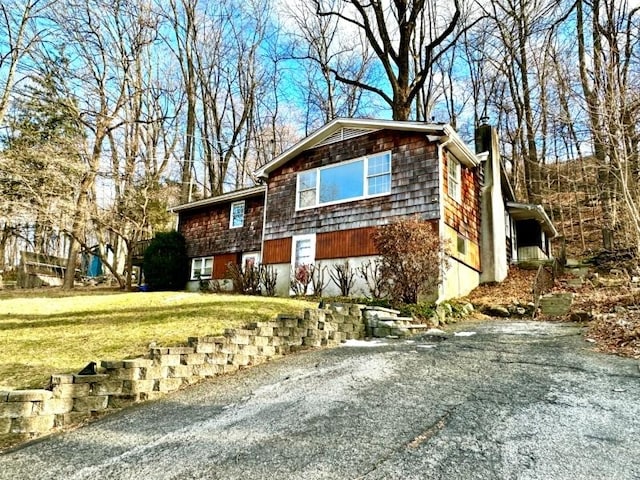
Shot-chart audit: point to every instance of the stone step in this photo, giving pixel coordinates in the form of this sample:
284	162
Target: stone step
382	309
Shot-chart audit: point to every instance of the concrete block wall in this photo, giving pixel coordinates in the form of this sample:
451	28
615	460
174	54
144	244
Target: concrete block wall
70	399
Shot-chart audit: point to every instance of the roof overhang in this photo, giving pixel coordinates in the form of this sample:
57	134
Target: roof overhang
224	198
444	133
529	211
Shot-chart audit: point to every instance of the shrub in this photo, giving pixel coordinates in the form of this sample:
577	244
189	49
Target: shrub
412	258
343	276
166	265
268	279
300	280
371	274
245	280
318	281
421	311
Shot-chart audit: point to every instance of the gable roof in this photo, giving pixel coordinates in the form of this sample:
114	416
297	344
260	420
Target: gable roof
343	128
225	197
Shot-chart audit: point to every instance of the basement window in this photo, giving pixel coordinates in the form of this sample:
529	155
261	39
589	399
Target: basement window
462	245
201	268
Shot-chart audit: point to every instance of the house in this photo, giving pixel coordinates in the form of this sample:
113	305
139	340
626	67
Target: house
222	230
324	197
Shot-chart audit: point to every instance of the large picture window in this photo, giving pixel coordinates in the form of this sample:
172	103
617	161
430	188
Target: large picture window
347	181
201	268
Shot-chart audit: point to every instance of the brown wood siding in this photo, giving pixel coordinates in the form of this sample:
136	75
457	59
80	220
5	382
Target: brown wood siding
414	186
345	243
207	231
464	217
277	251
220	264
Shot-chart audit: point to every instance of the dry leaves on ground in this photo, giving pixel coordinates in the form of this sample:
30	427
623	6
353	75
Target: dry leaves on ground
616	328
516	289
617	333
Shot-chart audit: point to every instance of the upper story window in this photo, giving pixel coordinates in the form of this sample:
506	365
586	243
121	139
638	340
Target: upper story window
237	215
343	182
454	184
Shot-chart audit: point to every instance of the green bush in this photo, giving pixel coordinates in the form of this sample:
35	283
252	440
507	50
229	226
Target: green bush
421	311
166	265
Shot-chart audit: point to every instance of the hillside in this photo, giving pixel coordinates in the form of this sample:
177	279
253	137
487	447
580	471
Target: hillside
570	193
606	299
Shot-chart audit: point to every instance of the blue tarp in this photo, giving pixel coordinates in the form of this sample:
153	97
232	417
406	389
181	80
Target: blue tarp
95	267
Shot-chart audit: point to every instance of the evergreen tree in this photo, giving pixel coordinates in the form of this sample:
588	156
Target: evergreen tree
40	164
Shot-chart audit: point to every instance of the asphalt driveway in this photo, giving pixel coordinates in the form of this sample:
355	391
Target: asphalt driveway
503	400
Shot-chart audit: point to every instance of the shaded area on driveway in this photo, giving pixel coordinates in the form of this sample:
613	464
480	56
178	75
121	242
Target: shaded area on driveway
524	400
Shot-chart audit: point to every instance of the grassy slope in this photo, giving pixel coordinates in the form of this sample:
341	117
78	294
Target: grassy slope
44	332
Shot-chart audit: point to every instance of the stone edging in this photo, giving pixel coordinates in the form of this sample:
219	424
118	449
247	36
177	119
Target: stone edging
71	399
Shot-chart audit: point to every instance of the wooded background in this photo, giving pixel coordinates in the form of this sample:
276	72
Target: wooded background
112	110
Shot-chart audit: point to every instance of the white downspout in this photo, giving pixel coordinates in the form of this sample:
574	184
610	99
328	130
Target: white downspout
441	224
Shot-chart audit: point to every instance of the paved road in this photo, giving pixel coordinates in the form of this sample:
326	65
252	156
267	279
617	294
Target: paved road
516	400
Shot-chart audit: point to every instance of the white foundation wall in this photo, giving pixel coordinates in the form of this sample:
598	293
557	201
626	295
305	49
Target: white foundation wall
360	288
459	280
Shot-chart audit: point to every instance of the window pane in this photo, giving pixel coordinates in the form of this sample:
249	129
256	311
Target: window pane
454	179
208	267
307	180
237	214
197	266
379	184
462	245
307	198
342	182
303	252
379	164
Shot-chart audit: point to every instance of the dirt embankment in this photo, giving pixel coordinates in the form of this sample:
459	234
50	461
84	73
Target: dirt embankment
608	299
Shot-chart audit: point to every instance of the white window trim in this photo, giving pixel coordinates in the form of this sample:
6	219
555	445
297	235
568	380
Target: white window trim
246	256
455	179
202	260
365	188
231	225
294	240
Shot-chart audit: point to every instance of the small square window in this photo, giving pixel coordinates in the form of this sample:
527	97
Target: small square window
237	215
462	245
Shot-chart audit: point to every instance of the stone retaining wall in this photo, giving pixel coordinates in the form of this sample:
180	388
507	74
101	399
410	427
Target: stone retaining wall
70	399
385	322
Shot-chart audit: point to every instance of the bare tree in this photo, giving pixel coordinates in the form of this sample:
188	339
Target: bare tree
391	30
218	46
608	51
523	31
106	42
319	45
20	33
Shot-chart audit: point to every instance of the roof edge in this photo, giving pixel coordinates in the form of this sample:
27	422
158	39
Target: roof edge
459	147
538	214
225	197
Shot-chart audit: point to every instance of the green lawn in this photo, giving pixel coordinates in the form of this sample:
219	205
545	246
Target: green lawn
45	332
